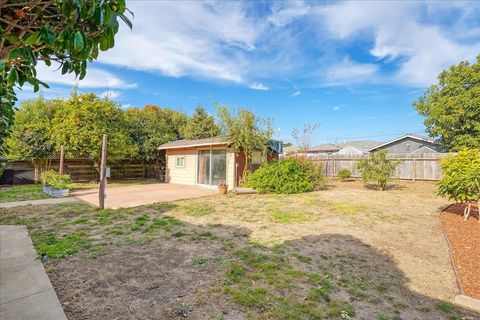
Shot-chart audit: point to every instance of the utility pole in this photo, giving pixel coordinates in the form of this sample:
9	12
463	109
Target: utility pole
103	182
62	158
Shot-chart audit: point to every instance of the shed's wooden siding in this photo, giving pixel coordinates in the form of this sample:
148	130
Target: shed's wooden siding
181	175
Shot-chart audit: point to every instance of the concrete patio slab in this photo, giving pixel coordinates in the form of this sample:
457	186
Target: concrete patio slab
25	290
37	202
132	196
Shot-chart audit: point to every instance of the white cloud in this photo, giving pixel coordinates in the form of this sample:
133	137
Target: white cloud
349	72
296	93
177	39
111	94
259	86
95	78
336	108
397	28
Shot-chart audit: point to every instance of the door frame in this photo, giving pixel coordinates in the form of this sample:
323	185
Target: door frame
210	169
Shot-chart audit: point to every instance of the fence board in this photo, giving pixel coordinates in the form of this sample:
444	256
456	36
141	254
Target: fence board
413	167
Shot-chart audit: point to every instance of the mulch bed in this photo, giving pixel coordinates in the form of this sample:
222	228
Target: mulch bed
464	238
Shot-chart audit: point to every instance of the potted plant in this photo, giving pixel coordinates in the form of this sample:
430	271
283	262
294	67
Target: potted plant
46	175
60	185
223	188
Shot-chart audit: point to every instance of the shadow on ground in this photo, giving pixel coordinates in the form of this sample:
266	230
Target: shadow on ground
215	272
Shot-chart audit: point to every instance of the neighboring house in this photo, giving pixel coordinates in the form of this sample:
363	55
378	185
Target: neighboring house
351	150
209	162
409	143
326	148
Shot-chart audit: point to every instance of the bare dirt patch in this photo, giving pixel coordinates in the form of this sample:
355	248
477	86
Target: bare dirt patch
464	237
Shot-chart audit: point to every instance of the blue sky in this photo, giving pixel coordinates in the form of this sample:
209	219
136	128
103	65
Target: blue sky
353	67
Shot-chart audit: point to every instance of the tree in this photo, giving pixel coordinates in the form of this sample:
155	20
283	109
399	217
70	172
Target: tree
82	120
378	168
304	137
201	125
31	134
69	32
245	132
452	107
461	178
152	126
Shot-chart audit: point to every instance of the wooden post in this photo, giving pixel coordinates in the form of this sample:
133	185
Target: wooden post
103	183
62	158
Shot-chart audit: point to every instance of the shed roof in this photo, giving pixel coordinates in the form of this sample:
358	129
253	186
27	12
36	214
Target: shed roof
186	143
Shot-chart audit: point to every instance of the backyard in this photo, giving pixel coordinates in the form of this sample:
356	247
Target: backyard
346	252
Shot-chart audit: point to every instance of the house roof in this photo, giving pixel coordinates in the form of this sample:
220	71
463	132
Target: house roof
326	147
408	135
424	149
186	143
360	144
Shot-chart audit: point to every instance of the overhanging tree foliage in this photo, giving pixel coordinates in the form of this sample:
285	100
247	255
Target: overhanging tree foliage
201	125
378	168
245	132
461	178
452	107
70	32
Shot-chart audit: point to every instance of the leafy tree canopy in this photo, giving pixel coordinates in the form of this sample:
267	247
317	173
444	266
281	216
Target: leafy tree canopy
245	131
461	177
201	125
452	107
30	138
70	32
378	168
81	121
152	126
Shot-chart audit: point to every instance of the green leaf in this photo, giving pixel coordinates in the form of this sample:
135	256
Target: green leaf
65	67
32	39
126	20
12	77
14	54
2	66
78	41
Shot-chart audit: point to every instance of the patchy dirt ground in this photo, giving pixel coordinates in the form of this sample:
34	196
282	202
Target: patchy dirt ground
464	237
346	252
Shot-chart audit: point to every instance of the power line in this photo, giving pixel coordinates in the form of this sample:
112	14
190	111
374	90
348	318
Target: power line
361	137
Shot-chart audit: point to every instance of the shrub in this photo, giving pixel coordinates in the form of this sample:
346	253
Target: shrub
461	178
378	168
287	176
59	181
320	181
344	174
46	176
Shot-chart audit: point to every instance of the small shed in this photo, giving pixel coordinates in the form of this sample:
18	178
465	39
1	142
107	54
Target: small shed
209	162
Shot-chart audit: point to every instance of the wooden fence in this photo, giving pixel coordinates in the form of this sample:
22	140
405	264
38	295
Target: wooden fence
413	167
22	172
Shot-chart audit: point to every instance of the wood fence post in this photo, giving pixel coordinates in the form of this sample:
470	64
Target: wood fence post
101	193
62	158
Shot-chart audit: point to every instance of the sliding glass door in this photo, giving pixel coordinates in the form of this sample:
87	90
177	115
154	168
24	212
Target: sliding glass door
212	167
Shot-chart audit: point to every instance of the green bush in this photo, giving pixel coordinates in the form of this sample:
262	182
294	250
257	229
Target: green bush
56	180
344	174
287	176
46	176
461	178
378	168
320	181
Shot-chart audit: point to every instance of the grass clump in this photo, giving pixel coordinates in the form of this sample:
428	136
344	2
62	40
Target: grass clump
280	216
346	208
65	246
199	261
22	193
199	210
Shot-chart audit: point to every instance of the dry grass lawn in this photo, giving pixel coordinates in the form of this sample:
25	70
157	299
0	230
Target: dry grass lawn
346	252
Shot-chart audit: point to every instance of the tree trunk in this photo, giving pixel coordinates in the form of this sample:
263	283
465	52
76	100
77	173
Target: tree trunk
245	168
466	211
